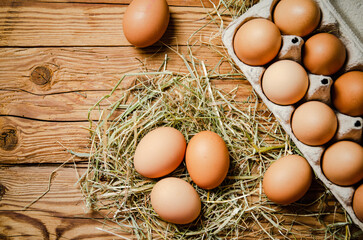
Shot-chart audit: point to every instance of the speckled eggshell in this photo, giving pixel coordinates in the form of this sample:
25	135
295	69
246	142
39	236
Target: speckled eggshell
175	201
287	179
159	152
207	159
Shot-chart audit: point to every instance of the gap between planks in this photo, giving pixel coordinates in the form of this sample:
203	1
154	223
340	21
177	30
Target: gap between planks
36	24
60	214
81	76
184	3
62	211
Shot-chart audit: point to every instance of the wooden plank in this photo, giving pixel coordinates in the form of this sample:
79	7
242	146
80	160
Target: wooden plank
59	125
28	141
185	3
60	214
74	106
87	68
79	77
75	24
66	107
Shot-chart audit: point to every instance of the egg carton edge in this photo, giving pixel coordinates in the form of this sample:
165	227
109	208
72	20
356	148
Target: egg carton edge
331	19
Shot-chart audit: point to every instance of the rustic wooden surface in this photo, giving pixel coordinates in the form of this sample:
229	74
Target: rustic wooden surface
57	58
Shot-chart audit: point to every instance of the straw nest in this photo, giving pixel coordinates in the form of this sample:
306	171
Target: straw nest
191	103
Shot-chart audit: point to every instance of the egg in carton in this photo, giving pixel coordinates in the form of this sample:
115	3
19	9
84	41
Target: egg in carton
349	128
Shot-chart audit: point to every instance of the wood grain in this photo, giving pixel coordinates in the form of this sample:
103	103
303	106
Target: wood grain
190	3
60	214
86	68
57	58
81	76
41	141
53	114
74	106
26	23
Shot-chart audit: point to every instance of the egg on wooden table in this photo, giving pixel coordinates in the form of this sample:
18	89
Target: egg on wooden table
297	17
159	152
314	123
175	200
287	179
207	159
342	163
145	21
358	202
285	82
347	93
257	42
323	54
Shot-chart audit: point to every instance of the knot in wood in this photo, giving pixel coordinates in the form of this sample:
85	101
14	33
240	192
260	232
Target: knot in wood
8	139
3	190
41	75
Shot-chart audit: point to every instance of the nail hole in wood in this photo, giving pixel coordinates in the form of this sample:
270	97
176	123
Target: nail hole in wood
8	139
41	75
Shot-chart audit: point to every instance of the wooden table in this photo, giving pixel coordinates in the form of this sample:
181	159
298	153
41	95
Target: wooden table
57	58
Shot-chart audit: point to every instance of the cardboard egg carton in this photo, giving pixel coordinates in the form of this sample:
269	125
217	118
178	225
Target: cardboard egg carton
349	128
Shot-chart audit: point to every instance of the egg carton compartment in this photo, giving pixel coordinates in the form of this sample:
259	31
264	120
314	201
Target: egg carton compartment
349	128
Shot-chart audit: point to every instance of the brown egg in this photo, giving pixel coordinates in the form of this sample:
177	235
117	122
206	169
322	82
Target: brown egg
297	17
145	21
287	179
358	202
175	200
323	54
285	82
257	42
342	163
207	159
159	152
314	123
348	93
